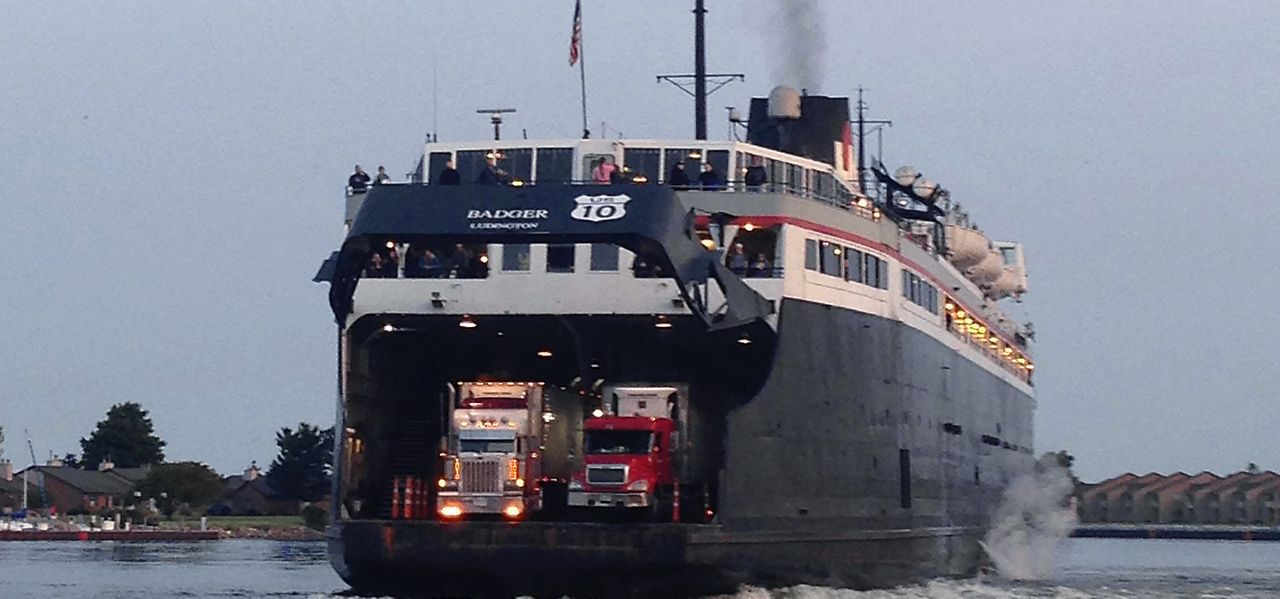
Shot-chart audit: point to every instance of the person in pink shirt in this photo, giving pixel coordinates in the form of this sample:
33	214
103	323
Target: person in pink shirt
602	172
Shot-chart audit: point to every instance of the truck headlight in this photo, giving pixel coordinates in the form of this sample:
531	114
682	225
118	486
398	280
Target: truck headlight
575	485
640	485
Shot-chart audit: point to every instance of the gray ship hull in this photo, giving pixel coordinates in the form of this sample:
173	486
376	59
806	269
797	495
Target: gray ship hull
872	456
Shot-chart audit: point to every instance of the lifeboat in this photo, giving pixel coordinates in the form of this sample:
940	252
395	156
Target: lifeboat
987	270
967	246
1011	282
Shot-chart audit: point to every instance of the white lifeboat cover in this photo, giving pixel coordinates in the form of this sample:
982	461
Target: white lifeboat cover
1010	282
968	246
988	270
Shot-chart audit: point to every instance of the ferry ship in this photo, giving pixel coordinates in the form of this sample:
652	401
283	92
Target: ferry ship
551	385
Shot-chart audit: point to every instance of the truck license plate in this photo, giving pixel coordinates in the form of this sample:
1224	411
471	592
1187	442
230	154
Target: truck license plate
482	501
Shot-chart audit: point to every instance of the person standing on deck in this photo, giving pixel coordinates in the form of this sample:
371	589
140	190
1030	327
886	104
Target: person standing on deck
737	260
755	177
709	179
602	171
449	175
382	176
358	181
490	174
679	179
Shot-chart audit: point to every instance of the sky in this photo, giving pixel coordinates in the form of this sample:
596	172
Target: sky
173	177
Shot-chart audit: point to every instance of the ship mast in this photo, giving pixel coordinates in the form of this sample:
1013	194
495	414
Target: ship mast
699	71
700	75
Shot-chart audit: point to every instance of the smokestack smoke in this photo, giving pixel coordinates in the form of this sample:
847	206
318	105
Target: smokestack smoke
800	45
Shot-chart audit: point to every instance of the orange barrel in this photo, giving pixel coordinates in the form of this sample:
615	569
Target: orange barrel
395	498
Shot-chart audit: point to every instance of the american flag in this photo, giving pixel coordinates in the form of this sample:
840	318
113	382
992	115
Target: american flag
575	42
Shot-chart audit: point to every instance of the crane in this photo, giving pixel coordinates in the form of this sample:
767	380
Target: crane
44	500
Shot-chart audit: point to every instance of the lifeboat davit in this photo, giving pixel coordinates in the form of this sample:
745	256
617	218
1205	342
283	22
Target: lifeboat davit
987	270
968	246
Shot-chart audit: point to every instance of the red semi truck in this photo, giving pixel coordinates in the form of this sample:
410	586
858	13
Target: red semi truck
634	454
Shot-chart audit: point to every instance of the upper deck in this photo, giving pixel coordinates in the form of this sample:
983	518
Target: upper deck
818	236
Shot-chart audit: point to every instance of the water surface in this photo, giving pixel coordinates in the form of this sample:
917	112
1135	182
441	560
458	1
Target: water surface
1085	568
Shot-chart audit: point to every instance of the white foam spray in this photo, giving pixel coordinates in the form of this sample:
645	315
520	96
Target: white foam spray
801	43
1031	520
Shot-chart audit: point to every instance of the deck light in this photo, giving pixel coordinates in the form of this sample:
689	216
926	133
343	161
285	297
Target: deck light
388	328
696	155
544	353
748	227
662	323
484	259
597	412
517	183
466	322
391	245
640	179
744	339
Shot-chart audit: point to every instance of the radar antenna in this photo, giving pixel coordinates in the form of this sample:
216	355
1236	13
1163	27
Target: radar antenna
495	117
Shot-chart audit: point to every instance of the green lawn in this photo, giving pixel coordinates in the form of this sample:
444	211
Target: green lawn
261	522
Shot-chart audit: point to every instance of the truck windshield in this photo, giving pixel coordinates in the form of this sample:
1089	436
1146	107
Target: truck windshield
486	445
599	442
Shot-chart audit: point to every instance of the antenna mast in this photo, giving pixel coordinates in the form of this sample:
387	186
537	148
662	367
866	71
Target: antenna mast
700	75
699	70
495	117
862	134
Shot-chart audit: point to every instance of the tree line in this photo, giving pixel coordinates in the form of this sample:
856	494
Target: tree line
126	438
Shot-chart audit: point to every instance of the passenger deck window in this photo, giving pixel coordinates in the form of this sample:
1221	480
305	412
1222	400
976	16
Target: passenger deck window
719	160
692	162
811	254
604	257
830	258
469	163
852	265
555	165
872	270
518	163
641	161
515	257
560	257
436	164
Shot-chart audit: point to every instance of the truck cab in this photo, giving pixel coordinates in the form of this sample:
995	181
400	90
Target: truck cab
491	453
629	453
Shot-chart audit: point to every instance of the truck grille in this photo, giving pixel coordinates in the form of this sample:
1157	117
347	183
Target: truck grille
481	477
606	475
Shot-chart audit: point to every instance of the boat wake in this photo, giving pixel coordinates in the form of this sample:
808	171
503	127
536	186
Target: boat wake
1036	514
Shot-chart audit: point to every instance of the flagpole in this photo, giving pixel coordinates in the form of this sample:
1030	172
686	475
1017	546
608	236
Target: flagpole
582	77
